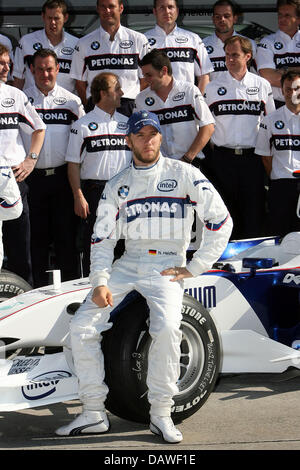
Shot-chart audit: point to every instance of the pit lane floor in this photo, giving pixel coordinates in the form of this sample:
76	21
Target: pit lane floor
245	412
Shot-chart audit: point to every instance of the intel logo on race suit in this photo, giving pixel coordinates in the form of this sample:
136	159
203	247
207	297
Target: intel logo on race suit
167	185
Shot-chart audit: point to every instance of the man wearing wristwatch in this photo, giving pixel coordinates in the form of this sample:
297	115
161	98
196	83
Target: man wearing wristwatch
16	116
52	219
186	121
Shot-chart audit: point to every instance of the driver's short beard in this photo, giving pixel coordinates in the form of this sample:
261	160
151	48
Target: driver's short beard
140	158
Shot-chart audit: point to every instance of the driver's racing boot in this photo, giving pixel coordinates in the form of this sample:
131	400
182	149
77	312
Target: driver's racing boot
164	426
88	422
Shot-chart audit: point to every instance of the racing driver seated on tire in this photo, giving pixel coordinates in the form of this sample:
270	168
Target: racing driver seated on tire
150	204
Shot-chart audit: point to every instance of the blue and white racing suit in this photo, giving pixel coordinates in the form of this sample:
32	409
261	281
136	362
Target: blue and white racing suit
152	208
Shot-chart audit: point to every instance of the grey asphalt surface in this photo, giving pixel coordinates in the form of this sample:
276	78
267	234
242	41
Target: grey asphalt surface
245	412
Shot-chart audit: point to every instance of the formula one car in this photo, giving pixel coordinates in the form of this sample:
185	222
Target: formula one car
242	316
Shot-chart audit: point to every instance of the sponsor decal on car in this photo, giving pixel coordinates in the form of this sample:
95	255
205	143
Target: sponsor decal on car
44	384
292	278
206	295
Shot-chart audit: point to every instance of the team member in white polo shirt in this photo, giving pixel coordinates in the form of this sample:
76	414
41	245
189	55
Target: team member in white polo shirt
53	36
279	143
184	48
50	197
238	100
110	48
281	50
96	152
186	122
225	15
16	113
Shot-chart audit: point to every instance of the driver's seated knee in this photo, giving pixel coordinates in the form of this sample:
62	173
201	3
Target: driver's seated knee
165	331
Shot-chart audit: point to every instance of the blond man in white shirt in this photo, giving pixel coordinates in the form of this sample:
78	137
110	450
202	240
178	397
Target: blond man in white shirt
96	152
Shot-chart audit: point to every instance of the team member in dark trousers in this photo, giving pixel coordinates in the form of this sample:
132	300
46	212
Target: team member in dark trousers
96	152
224	18
16	114
238	102
50	196
279	143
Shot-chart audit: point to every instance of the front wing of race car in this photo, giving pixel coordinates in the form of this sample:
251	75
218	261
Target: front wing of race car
30	381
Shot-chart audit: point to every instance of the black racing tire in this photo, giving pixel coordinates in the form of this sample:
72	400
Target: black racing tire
11	285
126	347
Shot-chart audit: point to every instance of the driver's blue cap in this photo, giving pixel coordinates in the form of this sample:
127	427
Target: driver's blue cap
140	119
